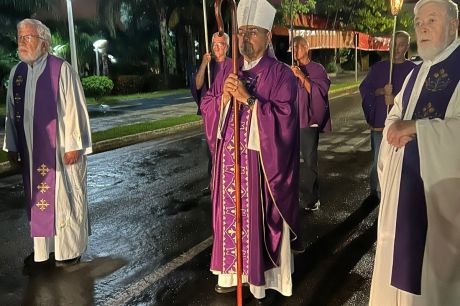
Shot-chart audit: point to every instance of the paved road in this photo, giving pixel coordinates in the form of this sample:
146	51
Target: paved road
152	226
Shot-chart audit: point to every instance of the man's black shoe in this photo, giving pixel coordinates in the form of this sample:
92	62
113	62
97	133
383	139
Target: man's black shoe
220	289
68	262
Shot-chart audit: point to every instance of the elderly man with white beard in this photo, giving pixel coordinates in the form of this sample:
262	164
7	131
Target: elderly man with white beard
417	258
47	134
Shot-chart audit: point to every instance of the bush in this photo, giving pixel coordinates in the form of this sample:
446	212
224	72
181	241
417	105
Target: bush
97	86
331	67
129	84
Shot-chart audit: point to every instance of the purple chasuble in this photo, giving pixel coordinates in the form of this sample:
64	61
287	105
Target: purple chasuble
314	106
269	179
41	197
374	107
216	68
411	220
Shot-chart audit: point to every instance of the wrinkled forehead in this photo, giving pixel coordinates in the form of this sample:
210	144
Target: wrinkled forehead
217	38
431	9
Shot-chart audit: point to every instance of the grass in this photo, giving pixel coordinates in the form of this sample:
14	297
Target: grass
147	95
125	130
2	111
344	85
3	156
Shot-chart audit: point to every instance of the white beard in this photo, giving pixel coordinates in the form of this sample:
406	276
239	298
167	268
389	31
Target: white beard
30	58
429	53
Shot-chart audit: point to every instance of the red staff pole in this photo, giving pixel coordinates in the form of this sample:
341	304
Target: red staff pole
236	139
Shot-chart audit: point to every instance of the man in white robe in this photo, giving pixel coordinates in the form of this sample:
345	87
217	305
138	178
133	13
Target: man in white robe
417	259
71	143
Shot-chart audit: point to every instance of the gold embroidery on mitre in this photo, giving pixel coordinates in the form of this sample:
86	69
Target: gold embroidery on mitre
43	170
42	205
17	98
438	81
19	80
43	187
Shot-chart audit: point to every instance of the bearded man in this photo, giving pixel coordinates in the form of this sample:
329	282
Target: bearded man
47	134
266	91
417	258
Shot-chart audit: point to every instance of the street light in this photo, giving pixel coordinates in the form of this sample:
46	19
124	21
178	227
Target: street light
112	59
99	46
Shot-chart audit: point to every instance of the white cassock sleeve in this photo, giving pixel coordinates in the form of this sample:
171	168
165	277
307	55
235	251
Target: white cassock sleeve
75	118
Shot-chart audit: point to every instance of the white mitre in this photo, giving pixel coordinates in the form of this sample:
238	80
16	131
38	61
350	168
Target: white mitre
258	13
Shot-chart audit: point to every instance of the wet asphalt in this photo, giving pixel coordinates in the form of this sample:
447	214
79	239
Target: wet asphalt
151	228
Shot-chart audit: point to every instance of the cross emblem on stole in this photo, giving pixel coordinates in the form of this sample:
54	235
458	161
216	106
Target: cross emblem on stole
43	170
19	80
17	98
43	187
42	205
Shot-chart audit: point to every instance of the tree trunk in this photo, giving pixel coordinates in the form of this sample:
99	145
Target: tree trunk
161	13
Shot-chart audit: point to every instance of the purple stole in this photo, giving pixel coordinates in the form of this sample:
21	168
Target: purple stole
412	220
41	197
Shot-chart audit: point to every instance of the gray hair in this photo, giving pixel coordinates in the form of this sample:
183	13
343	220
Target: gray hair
450	6
301	40
403	34
227	38
42	30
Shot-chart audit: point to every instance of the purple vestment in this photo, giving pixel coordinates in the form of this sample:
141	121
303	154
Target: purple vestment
223	67
41	197
374	107
269	178
314	107
412	221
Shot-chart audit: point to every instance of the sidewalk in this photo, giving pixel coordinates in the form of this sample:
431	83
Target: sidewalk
125	113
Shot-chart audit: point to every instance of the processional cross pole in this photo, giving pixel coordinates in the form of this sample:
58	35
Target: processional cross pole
395	8
236	139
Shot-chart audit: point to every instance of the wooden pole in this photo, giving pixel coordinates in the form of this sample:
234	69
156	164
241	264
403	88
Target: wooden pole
292	35
392	50
236	139
395	8
205	20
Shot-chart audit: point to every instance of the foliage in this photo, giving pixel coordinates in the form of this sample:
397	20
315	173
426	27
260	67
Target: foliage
129	84
331	67
290	8
97	86
368	16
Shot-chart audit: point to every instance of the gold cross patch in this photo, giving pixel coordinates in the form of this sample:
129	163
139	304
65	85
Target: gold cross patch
42	205
43	187
43	170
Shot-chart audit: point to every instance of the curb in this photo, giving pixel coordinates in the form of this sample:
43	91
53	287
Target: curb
6	168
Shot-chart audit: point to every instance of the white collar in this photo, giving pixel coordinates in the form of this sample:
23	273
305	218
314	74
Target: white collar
249	65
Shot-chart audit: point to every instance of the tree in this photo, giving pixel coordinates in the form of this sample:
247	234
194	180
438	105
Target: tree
291	8
368	16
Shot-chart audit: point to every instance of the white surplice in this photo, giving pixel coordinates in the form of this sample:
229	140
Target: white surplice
439	151
73	134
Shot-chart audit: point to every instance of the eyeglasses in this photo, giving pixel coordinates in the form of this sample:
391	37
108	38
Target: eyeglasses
28	38
219	44
249	32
